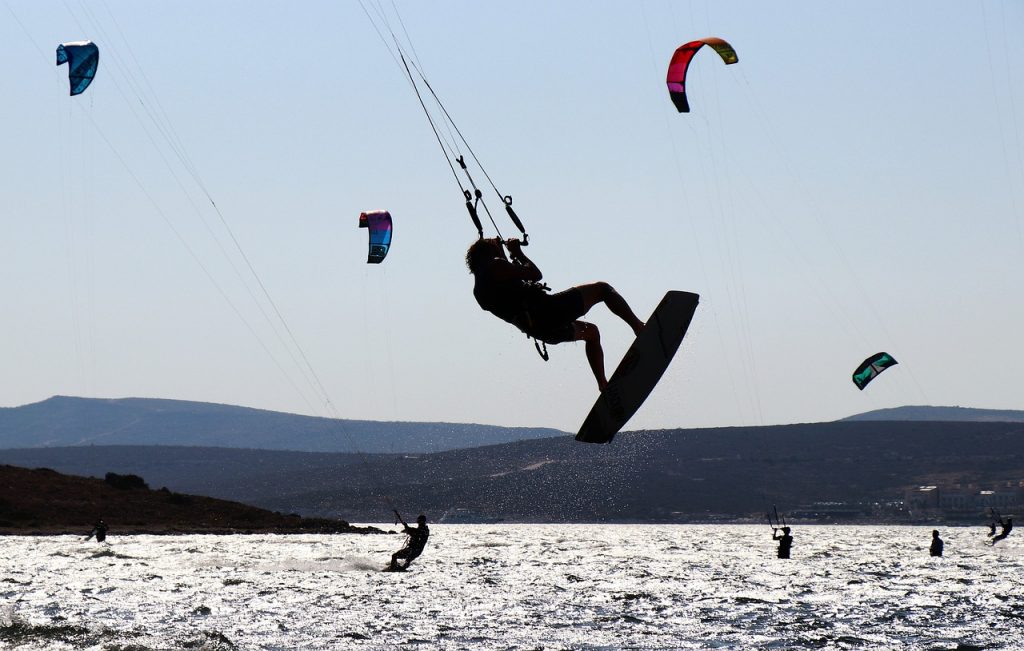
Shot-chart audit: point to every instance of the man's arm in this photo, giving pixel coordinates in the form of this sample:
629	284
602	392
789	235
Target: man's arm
515	251
521	267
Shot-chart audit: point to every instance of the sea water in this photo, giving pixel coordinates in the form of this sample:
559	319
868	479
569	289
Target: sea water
518	587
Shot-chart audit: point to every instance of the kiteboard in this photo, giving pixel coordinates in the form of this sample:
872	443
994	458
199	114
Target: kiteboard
640	369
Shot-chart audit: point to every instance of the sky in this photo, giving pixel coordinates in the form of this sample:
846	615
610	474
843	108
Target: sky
854	184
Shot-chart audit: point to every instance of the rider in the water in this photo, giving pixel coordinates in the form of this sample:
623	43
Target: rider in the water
1007	527
414	545
785	541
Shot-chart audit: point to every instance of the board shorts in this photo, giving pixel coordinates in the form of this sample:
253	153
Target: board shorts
552	316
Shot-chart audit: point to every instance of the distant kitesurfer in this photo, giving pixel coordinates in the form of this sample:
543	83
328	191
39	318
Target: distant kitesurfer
937	544
785	541
413	546
99	530
512	291
1007	527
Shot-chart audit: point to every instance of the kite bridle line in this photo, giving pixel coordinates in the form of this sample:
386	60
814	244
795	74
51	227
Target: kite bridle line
506	199
473	196
469	196
474	199
165	129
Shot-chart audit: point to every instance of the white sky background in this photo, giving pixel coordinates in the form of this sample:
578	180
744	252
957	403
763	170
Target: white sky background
854	184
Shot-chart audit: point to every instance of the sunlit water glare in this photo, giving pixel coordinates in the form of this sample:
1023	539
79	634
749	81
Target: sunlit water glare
518	587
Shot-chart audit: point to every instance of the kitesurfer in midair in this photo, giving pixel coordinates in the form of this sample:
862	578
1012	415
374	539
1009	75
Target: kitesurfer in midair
414	545
1007	527
512	291
785	541
937	544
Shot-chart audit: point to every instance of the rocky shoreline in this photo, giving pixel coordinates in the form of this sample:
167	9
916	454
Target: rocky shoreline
43	502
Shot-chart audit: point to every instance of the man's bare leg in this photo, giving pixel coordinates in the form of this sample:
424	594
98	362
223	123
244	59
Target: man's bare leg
591	337
602	292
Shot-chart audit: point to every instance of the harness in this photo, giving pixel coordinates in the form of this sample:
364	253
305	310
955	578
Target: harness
540	345
500	300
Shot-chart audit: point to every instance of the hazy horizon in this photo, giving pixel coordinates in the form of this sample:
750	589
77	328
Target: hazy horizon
626	429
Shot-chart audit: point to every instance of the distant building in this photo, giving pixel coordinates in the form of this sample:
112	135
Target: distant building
963	500
956	500
830	511
923	498
999	500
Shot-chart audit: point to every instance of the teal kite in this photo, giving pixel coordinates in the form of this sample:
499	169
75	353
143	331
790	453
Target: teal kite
82	57
871	367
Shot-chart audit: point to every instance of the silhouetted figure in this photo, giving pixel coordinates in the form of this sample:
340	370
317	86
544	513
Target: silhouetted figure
785	541
937	544
511	290
99	530
992	528
1007	527
414	545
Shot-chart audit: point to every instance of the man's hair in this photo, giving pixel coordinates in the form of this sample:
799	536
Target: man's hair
481	251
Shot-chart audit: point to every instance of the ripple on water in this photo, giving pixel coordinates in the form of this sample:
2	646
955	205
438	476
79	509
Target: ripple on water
517	586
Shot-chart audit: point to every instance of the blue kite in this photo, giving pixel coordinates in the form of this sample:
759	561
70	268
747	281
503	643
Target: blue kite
82	57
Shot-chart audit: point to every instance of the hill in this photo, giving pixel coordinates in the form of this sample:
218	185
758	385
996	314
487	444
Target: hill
227	473
66	421
63	421
945	414
45	501
857	469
